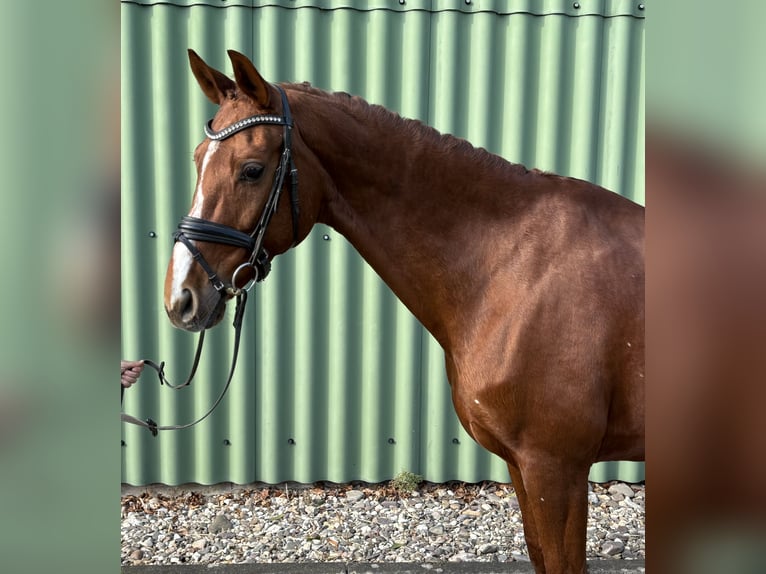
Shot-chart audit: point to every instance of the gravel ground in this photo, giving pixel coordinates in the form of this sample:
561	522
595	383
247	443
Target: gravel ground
454	522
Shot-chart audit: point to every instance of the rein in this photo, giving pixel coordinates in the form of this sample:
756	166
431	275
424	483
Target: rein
150	424
195	229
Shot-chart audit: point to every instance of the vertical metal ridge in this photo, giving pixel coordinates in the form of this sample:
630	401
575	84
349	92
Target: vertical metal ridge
514	91
483	60
547	120
586	92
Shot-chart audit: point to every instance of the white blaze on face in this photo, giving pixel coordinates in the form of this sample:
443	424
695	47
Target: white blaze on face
182	259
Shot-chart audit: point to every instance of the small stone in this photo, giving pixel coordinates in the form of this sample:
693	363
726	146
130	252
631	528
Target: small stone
488	549
612	547
219	524
137	554
199	544
462	557
354	495
518	557
621	488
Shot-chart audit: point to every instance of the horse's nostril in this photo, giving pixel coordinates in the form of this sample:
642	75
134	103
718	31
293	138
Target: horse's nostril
185	304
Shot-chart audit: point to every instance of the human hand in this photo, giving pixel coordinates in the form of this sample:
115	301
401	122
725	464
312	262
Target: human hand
130	371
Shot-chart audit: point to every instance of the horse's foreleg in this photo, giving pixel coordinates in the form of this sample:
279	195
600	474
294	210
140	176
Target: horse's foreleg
555	503
528	518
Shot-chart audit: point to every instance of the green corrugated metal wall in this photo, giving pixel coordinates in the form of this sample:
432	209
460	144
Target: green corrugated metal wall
336	380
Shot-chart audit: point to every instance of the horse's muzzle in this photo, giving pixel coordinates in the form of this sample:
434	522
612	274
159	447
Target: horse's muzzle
192	311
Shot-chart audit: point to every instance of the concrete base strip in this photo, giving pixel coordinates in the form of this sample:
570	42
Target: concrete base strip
594	567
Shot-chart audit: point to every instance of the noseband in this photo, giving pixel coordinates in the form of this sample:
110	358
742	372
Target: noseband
196	229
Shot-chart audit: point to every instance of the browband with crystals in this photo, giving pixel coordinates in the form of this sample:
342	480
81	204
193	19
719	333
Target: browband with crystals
244	124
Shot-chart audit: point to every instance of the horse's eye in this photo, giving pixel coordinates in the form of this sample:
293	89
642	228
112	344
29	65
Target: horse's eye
252	172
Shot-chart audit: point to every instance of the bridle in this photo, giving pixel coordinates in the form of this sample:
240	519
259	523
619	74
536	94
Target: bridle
196	229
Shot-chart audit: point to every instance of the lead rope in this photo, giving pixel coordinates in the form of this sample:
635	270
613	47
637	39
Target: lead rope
151	424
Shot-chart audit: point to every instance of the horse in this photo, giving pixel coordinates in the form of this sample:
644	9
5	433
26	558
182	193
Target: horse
531	282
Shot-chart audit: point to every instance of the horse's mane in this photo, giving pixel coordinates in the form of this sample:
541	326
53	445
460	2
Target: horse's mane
415	130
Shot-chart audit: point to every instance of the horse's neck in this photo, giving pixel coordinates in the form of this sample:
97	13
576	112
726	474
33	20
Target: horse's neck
402	200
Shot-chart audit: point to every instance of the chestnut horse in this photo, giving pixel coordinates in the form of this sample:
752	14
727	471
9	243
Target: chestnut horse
532	283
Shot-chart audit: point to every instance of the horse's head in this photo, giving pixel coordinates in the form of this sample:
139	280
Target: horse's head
245	208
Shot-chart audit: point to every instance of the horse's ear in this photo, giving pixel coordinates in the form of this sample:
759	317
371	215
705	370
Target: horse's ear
249	80
214	84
